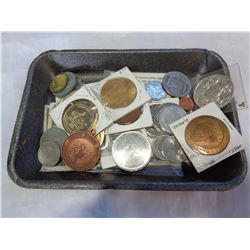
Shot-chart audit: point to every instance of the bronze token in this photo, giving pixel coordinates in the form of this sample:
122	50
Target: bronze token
80	116
118	93
81	151
130	117
186	103
207	135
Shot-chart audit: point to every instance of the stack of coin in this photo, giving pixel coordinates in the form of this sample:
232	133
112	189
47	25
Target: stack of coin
50	146
63	84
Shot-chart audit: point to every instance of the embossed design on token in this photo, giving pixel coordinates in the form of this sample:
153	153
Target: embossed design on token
130	117
131	151
186	103
80	116
176	84
118	93
81	151
214	88
207	135
49	153
58	83
155	90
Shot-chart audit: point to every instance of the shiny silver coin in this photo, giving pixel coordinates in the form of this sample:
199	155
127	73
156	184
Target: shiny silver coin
169	113
131	151
49	154
176	84
69	87
214	88
54	134
157	148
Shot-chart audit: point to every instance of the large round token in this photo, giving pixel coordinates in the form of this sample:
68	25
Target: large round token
176	84
81	151
58	83
169	113
214	88
49	153
79	116
130	117
118	93
54	134
131	151
207	135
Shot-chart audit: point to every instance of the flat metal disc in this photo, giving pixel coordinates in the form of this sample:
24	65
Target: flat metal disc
54	134
131	151
155	90
49	154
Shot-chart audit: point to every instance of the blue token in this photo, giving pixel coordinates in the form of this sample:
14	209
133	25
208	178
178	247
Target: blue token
155	90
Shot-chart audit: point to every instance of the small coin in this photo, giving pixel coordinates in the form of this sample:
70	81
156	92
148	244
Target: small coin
155	90
214	88
186	103
53	134
80	116
49	153
131	151
176	84
130	117
81	151
207	135
118	93
69	87
58	83
169	113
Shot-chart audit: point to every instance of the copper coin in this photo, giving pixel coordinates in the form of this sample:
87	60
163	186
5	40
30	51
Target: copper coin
118	93
130	117
81	151
207	135
186	103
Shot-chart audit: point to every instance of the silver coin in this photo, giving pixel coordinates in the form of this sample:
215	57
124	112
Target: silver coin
53	134
169	113
157	146
69	87
131	151
49	154
176	84
214	88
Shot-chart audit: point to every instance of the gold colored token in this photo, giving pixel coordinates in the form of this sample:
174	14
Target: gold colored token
58	83
207	135
118	93
80	116
130	117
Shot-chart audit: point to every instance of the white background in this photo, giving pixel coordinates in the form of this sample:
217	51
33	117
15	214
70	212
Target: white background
17	53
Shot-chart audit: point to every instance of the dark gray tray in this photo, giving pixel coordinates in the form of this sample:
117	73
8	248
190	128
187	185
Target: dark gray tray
23	165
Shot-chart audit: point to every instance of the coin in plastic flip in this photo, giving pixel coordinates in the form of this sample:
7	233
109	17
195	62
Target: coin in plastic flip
54	134
207	135
176	84
130	117
214	88
49	153
131	151
155	90
169	113
69	87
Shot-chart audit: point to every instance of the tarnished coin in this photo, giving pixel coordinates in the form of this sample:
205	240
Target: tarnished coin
131	151
176	84
118	93
186	103
58	83
69	86
49	153
80	116
81	151
54	134
207	135
169	113
130	117
155	90
214	88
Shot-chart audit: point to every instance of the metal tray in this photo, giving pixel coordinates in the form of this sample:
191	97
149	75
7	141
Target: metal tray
23	165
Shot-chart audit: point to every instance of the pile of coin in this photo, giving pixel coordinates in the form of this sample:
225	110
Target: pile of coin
79	147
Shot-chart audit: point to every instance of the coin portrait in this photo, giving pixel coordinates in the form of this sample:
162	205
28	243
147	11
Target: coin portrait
79	116
207	135
118	93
